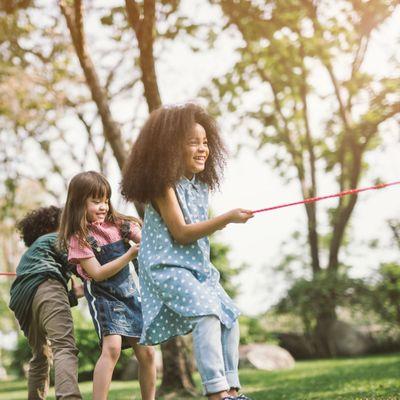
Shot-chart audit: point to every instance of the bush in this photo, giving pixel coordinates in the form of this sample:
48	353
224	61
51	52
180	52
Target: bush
253	331
20	356
89	352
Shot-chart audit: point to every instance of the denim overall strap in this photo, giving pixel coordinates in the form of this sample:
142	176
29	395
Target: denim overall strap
125	230
114	302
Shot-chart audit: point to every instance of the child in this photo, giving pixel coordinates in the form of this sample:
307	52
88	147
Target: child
177	157
41	305
97	237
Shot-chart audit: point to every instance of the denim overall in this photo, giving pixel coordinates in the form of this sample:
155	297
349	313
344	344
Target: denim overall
114	303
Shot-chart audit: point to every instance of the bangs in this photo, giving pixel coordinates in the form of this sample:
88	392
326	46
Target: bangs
99	188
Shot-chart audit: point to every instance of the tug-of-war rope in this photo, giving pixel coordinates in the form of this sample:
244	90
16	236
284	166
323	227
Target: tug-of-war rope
330	196
305	201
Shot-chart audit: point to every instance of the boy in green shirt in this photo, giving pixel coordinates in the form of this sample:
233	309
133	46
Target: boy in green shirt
41	303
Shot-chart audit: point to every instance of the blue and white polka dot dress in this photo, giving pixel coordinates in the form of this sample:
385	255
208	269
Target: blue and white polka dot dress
178	282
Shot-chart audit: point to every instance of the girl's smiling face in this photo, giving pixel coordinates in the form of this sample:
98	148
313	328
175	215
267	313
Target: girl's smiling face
96	209
196	151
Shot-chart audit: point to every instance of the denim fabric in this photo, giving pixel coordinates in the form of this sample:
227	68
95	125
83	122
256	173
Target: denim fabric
114	303
216	349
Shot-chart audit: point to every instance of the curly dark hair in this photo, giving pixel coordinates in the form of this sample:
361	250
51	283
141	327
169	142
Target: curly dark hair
155	161
39	222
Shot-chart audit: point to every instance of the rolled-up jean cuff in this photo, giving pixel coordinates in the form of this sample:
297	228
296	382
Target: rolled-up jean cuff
215	385
233	379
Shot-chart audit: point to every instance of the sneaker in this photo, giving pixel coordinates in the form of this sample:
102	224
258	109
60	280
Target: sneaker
243	397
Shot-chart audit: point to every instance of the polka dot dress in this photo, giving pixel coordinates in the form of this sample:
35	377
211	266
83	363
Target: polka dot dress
178	282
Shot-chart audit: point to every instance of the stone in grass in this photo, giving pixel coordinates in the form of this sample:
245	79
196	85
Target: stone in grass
267	357
348	340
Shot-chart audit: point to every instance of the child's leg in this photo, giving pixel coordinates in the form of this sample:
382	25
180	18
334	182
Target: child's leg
147	369
105	366
39	366
58	326
209	357
51	319
230	351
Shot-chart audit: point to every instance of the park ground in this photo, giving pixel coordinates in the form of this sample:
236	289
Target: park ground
364	378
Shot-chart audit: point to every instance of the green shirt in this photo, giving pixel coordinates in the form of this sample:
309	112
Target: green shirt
40	262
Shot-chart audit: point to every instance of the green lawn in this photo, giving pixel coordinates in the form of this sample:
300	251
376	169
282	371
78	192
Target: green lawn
372	378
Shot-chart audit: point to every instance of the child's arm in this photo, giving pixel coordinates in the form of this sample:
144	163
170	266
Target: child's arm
135	233
100	272
185	233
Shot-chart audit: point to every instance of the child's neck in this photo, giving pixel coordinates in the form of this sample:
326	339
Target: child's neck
189	176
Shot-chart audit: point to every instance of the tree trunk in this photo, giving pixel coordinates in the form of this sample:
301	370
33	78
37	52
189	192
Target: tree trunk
323	341
111	129
143	25
177	369
177	374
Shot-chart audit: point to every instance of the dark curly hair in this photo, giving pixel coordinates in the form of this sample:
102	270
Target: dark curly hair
155	161
39	222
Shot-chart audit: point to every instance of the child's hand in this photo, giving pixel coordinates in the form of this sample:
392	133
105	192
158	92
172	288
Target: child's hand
240	215
133	251
78	289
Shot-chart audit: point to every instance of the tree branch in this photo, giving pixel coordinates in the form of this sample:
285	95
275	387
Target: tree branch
111	129
143	26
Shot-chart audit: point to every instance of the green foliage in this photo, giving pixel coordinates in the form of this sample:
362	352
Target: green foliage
252	330
20	356
89	352
310	299
385	299
219	255
313	113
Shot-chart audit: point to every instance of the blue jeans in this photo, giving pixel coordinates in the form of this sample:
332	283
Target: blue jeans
216	349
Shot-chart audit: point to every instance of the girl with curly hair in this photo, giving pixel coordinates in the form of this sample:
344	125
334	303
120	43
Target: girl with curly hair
177	157
98	239
41	302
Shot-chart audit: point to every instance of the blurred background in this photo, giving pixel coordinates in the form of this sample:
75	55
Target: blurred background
306	94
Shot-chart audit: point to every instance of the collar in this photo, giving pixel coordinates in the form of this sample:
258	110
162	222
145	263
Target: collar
186	182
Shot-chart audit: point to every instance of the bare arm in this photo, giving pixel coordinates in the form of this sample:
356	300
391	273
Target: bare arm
100	272
185	233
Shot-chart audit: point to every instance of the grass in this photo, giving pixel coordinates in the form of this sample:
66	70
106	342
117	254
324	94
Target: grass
364	378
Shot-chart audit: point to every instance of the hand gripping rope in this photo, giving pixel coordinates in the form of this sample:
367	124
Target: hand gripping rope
305	201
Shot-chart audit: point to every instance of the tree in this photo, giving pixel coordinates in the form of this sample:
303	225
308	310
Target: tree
284	44
105	88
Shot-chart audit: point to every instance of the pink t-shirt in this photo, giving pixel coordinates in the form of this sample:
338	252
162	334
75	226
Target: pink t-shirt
104	233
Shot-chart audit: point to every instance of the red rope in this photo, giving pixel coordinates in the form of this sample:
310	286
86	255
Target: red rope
314	199
309	200
8	273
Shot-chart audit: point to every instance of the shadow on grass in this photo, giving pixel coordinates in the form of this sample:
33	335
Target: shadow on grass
329	381
12	386
367	378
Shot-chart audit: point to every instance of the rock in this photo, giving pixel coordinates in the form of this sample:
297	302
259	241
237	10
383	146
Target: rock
3	373
265	356
299	346
348	340
344	340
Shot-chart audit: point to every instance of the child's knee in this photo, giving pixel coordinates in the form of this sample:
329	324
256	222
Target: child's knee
145	355
111	351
